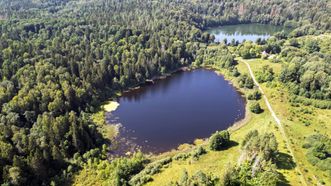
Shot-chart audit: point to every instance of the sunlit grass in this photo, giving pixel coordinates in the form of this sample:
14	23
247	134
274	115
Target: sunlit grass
111	106
108	130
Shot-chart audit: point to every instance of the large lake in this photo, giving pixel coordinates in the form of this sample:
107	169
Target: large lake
242	32
177	110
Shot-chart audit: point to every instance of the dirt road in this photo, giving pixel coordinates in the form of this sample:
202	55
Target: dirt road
279	124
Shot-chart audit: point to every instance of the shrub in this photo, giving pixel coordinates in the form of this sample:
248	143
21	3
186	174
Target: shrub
246	81
198	152
181	156
256	108
145	175
250	135
219	140
266	75
322	104
199	178
294	42
140	180
256	95
319	150
234	72
312	46
249	50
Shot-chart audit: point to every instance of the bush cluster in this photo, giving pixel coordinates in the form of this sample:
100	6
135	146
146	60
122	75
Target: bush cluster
219	140
255	108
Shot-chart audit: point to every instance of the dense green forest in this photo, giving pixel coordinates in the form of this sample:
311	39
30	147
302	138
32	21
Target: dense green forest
58	57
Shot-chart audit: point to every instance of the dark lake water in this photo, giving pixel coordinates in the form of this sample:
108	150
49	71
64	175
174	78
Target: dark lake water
242	32
177	110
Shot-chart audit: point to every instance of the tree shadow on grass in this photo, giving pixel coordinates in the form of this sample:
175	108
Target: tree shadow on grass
285	161
230	145
282	181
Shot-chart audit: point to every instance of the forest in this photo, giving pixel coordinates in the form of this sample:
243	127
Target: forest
60	59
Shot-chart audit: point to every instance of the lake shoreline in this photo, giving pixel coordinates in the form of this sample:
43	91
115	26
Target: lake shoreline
232	127
186	147
113	100
238	124
153	80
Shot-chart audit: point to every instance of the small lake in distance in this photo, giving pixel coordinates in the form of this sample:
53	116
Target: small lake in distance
242	32
176	110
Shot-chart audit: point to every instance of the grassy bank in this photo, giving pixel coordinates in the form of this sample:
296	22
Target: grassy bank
108	130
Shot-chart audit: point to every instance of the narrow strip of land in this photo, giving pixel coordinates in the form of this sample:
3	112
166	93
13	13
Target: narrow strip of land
279	124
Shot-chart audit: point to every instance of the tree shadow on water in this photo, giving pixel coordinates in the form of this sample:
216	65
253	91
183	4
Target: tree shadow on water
285	161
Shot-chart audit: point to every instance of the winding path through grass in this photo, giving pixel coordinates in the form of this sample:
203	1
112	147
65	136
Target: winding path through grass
279	124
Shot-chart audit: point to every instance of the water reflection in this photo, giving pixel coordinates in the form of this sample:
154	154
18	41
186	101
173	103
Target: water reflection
145	90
